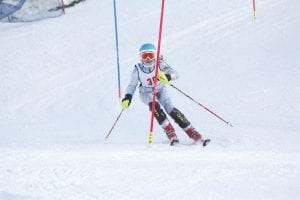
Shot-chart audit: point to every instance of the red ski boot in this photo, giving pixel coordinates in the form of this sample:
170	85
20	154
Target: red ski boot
197	137
192	133
170	131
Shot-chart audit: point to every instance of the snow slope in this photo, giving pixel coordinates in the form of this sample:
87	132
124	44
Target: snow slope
58	100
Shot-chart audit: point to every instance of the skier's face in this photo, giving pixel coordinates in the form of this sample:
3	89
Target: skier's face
149	63
148	58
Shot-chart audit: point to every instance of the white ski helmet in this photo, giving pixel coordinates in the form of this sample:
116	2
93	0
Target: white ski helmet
148	54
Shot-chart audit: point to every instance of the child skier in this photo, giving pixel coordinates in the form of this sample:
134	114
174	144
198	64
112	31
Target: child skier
144	75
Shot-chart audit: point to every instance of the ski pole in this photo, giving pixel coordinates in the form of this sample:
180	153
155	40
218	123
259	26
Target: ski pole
201	105
114	124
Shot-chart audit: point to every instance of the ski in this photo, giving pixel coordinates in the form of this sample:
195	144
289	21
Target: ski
174	142
204	143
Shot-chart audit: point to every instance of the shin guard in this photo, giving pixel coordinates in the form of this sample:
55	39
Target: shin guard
179	118
159	114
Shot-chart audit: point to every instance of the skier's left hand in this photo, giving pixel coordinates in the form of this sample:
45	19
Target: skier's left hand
164	78
126	101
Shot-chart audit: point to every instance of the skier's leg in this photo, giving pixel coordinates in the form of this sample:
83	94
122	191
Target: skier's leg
160	116
183	122
178	116
163	121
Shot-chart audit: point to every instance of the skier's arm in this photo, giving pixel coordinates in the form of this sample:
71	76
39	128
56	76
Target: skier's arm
130	89
170	73
133	82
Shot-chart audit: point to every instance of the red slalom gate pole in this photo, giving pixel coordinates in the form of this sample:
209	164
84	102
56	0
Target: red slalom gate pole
156	72
63	6
254	9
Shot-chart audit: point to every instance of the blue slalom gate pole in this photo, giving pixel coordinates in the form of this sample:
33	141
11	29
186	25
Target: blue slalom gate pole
117	48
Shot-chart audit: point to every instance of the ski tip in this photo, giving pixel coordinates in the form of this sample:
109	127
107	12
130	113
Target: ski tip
174	142
205	142
230	124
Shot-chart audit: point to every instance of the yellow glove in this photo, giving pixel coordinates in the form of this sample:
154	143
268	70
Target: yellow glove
125	104
164	78
126	101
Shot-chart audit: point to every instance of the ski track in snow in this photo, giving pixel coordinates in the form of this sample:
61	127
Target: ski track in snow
141	172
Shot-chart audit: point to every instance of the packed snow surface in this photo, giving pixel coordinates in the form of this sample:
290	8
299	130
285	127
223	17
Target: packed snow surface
59	98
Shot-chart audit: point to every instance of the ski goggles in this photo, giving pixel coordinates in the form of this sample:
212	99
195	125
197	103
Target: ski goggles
147	55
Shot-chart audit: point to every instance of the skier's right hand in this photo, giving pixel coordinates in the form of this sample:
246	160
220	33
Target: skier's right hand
126	101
